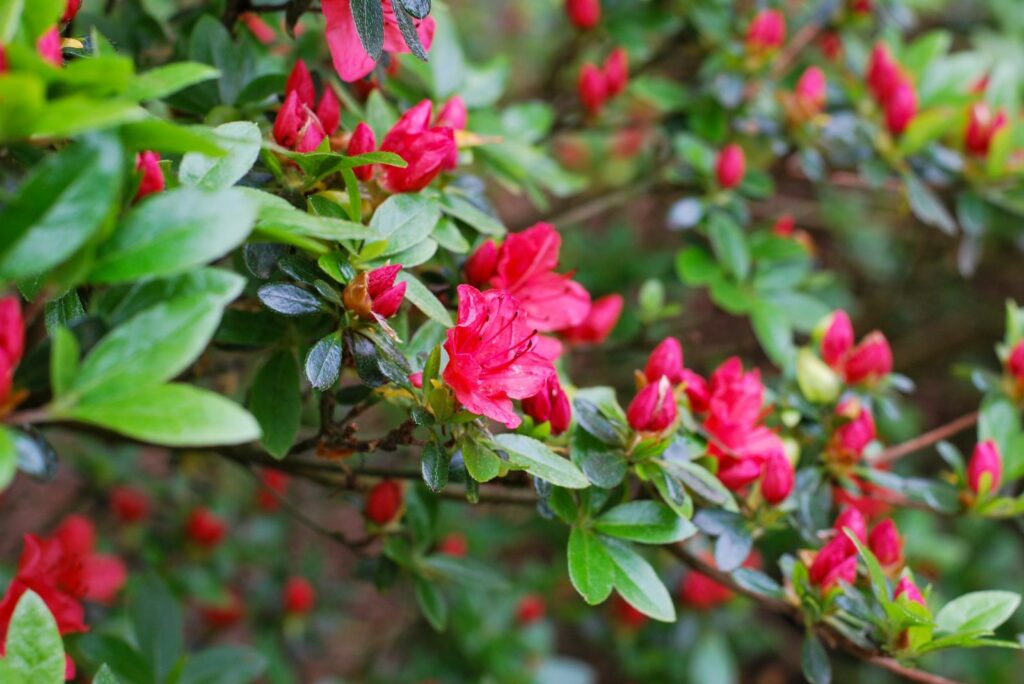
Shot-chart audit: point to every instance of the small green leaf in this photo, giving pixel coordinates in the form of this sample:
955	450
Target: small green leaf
8	458
289	300
535	458
977	611
926	206
590	567
482	464
275	401
729	244
405	221
647	522
323	362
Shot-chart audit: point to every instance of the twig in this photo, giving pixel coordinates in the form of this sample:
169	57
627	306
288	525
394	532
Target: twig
801	39
927	439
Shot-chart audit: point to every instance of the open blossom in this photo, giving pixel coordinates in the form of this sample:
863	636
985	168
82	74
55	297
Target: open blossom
653	408
351	60
982	125
12	342
592	87
986	464
148	164
492	357
766	32
599	323
584	14
731	166
666	360
426	149
297	126
616	71
524	266
384	502
550	405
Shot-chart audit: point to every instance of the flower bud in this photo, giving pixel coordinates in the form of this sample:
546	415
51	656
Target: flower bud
362	141
885	542
616	71
530	609
883	74
1014	364
550	405
129	505
907	589
731	166
584	14
981	127
205	528
300	82
852	519
900	107
697	391
777	482
329	111
861	6
625	615
49	47
737	473
385	295
274	482
592	87
12	330
453	544
224	613
261	30
818	383
416	379
838	339
666	360
870	360
481	264
831	45
298	596
851	438
288	121
384	502
311	134
811	90
148	164
427	151
598	325
766	32
70	10
653	409
453	114
985	469
836	561
4	68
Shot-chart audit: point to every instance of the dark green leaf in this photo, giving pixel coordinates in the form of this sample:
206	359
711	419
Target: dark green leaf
814	660
158	623
647	522
276	402
288	299
408	30
638	583
590	567
417	8
369	20
434	463
604	466
927	206
323	362
431	602
224	665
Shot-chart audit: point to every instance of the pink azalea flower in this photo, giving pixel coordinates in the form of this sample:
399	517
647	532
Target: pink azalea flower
350	57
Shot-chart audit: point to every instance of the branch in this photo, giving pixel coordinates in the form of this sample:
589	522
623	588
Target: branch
828	634
927	439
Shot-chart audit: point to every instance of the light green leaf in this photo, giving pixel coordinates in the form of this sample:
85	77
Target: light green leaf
424	300
405	221
535	458
241	140
64	354
77	114
977	611
647	522
729	244
170	78
34	649
276	402
482	464
105	676
638	583
8	458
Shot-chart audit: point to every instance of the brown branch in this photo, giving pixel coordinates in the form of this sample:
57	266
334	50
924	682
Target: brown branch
927	439
801	39
826	632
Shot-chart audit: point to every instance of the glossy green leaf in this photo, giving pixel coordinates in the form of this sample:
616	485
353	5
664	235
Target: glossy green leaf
289	300
535	458
276	402
482	463
638	583
241	140
647	522
590	567
434	465
977	611
424	300
323	362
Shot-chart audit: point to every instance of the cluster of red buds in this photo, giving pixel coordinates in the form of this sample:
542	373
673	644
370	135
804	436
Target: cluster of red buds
892	88
837	560
584	14
599	84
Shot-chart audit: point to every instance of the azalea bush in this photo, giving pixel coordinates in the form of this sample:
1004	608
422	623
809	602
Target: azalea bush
598	340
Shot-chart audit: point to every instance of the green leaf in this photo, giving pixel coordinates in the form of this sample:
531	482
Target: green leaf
171	415
275	401
814	660
431	602
424	300
926	206
173	232
159	625
241	140
469	214
34	649
604	465
63	360
702	483
408	30
323	362
463	571
105	676
64	201
647	522
711	661
117	305
164	136
729	244
10	17
8	459
977	611
405	221
165	80
448	235
434	464
535	458
638	583
369	20
289	300
377	360
590	567
120	657
482	464
78	114
224	665
998	420
773	332
879	584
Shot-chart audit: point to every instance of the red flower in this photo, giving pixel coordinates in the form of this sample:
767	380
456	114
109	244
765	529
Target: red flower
453	544
384	293
362	141
384	502
731	166
550	405
205	528
850	439
616	71
883	73
299	81
428	151
592	87
982	125
870	360
784	226
906	587
666	360
885	542
838	339
491	355
811	90
1014	364
900	107
831	45
852	519
70	10
225	612
49	47
584	14
987	463
453	114
298	596
148	164
481	264
766	32
350	57
530	609
599	323
626	615
129	505
654	408
836	561
329	111
273	481
778	478
12	342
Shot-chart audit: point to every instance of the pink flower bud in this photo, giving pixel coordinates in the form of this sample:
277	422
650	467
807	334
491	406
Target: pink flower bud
861	6
453	114
697	391
981	127
384	502
883	74
731	166
550	405
985	461
288	121
885	542
852	519
836	561
870	360
148	164
653	408
906	587
777	482
12	330
900	107
530	609
599	323
384	293
616	71
584	14
416	379
811	90
362	141
49	47
260	29
737	473
593	88
453	544
831	45
481	264
766	32
205	528
300	81
311	134
4	68
851	438
129	505
299	596
1015	364
70	10
838	339
666	360
427	151
329	111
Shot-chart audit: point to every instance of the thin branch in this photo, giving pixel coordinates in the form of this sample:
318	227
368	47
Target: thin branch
927	439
